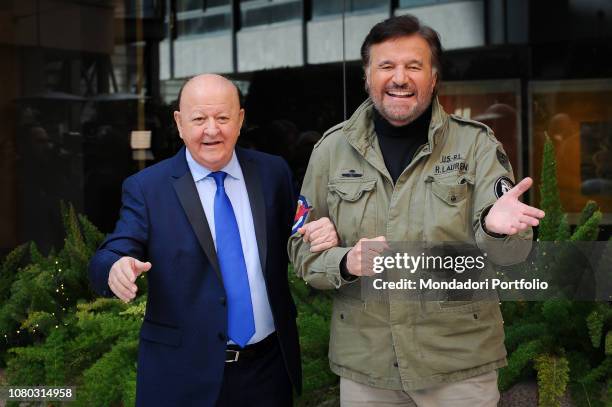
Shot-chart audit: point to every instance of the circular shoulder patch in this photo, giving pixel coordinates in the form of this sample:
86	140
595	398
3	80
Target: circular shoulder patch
502	185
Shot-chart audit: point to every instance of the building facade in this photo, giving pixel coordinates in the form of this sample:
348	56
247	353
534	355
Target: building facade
89	86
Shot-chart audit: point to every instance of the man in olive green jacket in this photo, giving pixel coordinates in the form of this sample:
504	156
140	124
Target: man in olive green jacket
457	185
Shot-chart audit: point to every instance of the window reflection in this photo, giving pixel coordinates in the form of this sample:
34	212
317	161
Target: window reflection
329	7
494	103
259	12
418	3
186	5
196	17
576	115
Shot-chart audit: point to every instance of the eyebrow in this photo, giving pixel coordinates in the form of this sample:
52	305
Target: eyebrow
410	62
197	113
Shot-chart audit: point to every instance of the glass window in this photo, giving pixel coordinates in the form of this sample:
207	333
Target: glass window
148	9
358	5
71	104
203	24
326	7
206	16
216	3
262	12
418	3
494	103
186	5
329	7
577	117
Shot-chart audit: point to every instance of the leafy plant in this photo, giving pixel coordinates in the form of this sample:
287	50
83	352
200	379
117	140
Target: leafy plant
562	340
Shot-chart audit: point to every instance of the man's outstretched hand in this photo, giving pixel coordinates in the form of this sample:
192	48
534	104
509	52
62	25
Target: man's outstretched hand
122	277
509	216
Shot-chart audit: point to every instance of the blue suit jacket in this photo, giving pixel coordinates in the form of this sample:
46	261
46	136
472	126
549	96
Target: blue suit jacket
183	337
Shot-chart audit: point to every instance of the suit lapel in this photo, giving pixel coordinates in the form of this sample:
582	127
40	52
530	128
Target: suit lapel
255	191
190	201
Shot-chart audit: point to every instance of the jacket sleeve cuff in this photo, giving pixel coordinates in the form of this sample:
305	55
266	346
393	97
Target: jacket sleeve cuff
333	260
483	229
99	269
344	273
503	250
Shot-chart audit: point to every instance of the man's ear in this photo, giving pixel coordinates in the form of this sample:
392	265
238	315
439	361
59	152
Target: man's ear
241	118
177	120
435	80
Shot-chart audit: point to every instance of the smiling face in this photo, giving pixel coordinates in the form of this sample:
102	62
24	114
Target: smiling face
209	120
400	79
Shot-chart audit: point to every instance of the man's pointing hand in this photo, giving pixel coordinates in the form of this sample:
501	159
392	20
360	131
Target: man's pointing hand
122	277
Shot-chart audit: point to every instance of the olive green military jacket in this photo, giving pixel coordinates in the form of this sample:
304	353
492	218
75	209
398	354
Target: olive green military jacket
440	196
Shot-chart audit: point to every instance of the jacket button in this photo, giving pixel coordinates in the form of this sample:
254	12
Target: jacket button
341	316
395	364
453	198
222	301
222	337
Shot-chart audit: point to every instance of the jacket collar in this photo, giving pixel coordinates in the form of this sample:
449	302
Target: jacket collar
359	128
178	164
187	194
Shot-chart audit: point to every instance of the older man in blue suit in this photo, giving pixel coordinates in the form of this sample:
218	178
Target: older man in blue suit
209	227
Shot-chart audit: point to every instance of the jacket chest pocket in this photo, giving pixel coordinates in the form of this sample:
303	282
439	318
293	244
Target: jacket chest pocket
352	208
448	209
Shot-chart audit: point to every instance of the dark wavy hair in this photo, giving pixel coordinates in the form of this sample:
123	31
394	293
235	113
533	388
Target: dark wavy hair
403	26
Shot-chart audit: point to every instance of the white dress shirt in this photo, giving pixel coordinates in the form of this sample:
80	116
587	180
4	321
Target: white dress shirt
235	188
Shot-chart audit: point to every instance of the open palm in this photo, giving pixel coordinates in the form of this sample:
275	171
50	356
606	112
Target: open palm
509	216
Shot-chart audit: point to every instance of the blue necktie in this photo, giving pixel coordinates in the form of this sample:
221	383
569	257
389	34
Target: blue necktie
240	319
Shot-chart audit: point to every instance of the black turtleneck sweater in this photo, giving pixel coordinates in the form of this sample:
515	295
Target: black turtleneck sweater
399	144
